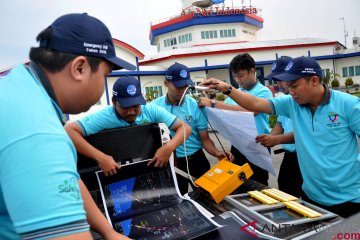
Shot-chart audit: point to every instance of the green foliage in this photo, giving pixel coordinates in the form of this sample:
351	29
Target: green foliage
150	95
272	120
220	97
333	77
335	83
349	82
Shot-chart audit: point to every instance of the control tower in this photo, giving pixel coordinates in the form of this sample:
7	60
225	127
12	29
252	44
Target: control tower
207	22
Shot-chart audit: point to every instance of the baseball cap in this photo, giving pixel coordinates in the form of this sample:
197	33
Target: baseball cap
127	92
179	75
79	33
278	67
299	67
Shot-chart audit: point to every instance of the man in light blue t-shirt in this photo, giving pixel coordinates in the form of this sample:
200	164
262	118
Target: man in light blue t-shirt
177	79
289	178
242	67
129	108
326	124
41	195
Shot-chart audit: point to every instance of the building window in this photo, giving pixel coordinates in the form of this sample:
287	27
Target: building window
170	42
185	38
227	33
357	70
345	72
325	72
351	71
208	34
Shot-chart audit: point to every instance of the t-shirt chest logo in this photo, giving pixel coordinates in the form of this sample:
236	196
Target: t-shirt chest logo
333	120
188	118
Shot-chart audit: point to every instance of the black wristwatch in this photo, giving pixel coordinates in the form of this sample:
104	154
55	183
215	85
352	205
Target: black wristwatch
213	102
228	91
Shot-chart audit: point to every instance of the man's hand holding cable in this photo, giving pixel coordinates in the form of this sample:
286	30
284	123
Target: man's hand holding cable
108	165
204	102
220	155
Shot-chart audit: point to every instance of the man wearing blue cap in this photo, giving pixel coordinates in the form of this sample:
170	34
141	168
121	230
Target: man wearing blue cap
326	125
177	79
289	178
129	108
242	66
39	192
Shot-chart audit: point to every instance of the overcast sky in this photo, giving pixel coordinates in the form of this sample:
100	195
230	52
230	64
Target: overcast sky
129	21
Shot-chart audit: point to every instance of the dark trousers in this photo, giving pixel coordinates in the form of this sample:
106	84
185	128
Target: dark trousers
290	179
344	210
198	165
260	175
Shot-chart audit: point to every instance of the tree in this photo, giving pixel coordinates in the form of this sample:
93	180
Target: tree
349	82
335	83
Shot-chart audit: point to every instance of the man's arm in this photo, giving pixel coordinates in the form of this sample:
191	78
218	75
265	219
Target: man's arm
162	155
209	146
95	218
106	162
245	100
275	137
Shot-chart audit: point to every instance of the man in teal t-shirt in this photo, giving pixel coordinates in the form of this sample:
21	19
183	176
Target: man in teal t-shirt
41	196
242	67
177	80
129	108
326	125
289	178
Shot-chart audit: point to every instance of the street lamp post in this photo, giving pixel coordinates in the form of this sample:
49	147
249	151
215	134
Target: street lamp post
345	32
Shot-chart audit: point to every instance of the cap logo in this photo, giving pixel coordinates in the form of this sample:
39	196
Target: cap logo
183	73
290	64
273	66
131	90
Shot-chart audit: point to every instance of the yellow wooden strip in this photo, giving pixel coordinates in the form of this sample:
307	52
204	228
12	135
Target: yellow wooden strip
279	195
297	207
262	197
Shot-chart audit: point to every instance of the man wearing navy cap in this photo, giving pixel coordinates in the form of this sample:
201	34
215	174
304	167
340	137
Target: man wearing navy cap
289	178
40	192
177	79
129	108
326	125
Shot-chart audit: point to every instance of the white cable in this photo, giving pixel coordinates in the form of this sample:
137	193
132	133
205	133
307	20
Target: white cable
183	123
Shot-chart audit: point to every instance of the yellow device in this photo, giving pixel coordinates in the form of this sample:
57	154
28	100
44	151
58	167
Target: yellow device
223	178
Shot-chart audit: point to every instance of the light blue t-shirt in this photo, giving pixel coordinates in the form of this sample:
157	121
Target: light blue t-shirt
326	146
191	114
261	119
38	178
287	126
107	119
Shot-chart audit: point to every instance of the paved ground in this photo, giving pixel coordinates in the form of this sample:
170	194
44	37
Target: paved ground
276	158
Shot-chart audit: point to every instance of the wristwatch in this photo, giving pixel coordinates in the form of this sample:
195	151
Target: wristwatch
228	91
213	102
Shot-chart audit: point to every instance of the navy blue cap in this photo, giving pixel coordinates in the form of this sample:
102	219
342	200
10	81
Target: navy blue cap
278	67
127	92
82	34
179	75
300	67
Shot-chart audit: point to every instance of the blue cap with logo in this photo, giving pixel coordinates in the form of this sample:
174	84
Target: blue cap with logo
179	75
278	67
82	34
127	92
300	67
